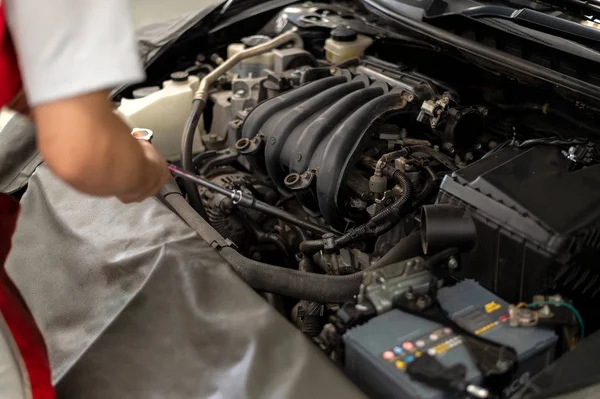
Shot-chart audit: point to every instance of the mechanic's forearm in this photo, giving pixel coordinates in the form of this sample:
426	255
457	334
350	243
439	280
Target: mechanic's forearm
89	147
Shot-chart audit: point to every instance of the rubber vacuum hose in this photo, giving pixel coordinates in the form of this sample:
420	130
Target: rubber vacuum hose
187	144
312	287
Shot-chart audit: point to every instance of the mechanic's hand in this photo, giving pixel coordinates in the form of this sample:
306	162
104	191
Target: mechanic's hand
155	176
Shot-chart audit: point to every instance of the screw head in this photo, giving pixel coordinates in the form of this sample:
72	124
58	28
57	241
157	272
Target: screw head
453	263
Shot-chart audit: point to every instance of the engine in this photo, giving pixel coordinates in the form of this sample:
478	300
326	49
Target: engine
323	142
384	189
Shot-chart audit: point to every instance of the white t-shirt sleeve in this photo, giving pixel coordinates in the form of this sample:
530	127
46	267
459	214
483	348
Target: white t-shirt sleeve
72	47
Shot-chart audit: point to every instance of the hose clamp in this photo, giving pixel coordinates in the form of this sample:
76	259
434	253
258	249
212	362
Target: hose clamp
237	197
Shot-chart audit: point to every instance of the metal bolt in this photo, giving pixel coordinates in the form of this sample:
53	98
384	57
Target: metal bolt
409	295
422	302
502	365
478	392
213	137
545	311
452	263
469	156
272	141
484	112
298	157
361	295
361	308
216	59
555	298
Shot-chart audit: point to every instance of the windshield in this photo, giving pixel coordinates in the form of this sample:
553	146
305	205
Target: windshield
582	12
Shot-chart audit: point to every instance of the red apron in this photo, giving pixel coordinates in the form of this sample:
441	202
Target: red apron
13	310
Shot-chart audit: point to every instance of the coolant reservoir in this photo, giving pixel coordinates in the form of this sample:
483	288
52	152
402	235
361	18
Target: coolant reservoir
165	112
254	66
345	44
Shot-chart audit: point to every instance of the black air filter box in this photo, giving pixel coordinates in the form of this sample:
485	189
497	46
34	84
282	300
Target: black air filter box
538	223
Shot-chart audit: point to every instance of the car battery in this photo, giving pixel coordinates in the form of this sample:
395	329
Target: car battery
479	311
378	352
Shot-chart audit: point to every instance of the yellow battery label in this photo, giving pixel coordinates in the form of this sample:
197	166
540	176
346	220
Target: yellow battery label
492	307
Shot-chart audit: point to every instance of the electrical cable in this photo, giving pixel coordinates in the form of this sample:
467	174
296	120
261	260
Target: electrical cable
568	306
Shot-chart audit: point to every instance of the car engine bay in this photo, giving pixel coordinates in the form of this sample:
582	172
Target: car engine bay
430	223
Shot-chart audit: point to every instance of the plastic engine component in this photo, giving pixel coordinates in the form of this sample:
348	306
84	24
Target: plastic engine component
309	137
538	224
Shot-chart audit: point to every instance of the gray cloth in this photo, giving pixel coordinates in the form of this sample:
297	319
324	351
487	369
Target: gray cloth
133	304
18	153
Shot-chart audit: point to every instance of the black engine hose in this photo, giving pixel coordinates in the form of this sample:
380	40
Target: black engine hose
379	224
424	194
219	160
187	145
266	238
200	158
393	211
398	251
292	283
312	287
